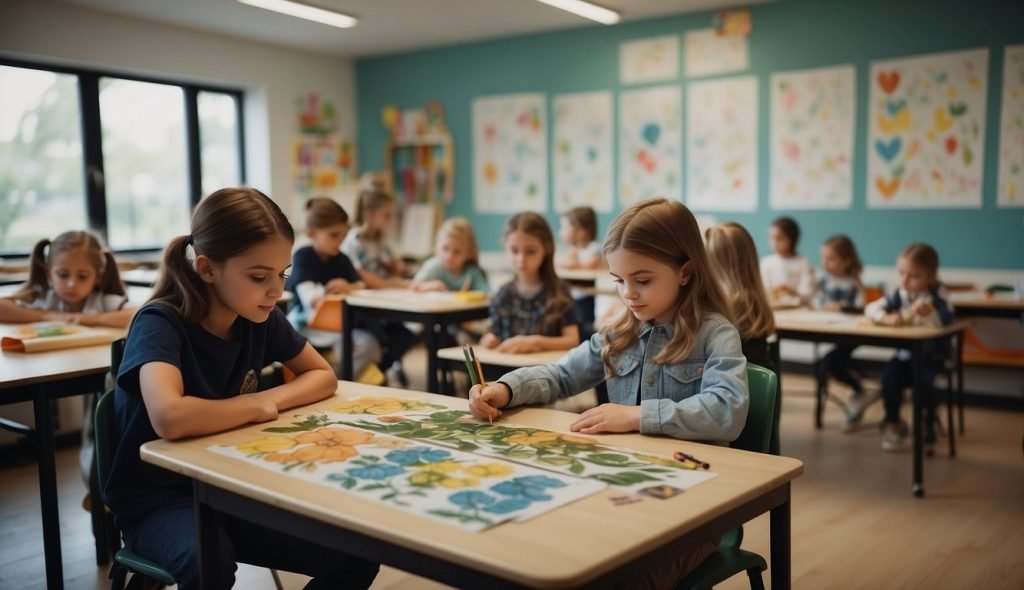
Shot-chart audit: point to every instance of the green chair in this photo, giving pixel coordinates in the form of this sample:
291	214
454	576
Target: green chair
124	560
762	423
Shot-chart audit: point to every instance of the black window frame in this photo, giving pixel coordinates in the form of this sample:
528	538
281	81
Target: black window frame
92	139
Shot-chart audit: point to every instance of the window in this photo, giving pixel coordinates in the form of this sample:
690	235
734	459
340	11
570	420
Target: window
41	172
124	156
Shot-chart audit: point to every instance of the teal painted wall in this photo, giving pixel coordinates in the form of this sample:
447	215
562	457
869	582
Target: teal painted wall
790	35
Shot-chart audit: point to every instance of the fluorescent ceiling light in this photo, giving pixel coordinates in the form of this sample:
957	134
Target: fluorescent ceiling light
594	12
327	17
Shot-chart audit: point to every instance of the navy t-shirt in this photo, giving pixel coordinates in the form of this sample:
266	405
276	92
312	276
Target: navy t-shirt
308	266
211	368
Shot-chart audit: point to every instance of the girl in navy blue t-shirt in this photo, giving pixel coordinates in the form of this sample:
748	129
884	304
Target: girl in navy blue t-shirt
193	350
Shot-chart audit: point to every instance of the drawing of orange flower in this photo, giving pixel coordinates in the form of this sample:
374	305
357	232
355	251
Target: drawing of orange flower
268	444
392	419
381	405
325	445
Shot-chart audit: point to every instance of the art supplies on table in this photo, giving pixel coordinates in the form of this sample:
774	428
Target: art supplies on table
44	336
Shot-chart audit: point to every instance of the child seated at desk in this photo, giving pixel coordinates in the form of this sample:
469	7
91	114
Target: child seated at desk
532	312
672	360
455	265
788	277
578	231
72	279
191	368
840	288
920	300
321	269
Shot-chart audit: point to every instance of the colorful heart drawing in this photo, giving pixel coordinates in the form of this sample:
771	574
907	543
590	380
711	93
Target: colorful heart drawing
957	109
950	144
792	149
888	189
942	120
889	81
888	149
895	106
651	133
901	122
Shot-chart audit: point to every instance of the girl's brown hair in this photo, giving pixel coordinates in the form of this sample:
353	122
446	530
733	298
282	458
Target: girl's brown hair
789	228
82	242
843	247
731	250
224	225
371	200
924	257
460	229
583	218
558	300
323	212
667	232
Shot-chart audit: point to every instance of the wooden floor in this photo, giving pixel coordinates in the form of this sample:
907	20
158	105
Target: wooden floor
855	523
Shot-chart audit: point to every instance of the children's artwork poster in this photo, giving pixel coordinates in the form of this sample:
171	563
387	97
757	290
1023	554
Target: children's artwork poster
1011	126
510	161
813	118
708	52
650	144
721	145
322	163
449	485
655	59
582	151
926	130
315	115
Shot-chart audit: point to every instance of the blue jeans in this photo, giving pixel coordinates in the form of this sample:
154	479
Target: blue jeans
168	537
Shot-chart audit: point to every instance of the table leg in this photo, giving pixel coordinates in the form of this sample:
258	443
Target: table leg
781	573
347	325
959	380
917	365
48	490
207	538
431	338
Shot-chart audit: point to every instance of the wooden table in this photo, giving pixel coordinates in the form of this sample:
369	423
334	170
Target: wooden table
818	326
978	304
41	377
434	310
588	543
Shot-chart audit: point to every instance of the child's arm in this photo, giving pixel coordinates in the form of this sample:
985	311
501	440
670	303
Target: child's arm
175	415
805	288
342	286
12	313
489	340
719	411
579	370
375	281
109	319
534	343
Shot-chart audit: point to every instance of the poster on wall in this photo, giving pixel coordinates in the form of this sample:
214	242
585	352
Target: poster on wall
813	116
510	161
706	52
1011	130
322	164
650	144
649	60
721	172
581	151
926	130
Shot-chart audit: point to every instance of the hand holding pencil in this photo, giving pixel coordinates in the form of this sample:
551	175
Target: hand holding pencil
484	399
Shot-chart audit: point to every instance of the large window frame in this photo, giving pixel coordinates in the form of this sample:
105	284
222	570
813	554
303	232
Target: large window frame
92	139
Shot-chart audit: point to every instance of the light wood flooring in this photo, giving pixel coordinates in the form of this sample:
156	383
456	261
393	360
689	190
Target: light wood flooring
855	523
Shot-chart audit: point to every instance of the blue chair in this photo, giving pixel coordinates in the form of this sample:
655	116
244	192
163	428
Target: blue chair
762	424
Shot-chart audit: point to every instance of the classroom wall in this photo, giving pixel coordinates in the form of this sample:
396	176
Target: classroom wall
272	77
787	35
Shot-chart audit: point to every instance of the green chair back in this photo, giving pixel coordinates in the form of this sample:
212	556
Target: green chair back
762	420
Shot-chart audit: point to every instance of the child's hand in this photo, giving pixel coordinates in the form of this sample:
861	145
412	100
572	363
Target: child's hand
489	340
608	418
264	409
834	306
435	285
338	286
397	267
485	401
922	307
891	319
519	344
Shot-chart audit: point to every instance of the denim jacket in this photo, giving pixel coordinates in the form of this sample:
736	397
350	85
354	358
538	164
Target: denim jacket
703	397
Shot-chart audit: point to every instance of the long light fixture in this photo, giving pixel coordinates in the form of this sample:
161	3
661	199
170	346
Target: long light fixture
594	12
296	9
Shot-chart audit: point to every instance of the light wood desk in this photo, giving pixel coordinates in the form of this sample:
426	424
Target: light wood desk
434	310
978	304
41	377
817	326
586	543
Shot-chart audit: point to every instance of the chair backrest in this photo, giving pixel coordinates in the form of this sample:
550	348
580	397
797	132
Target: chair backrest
761	418
103	417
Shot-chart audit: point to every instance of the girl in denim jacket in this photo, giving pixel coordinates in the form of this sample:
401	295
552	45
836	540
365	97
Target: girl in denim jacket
672	360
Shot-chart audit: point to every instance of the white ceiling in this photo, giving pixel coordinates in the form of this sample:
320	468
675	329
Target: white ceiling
387	26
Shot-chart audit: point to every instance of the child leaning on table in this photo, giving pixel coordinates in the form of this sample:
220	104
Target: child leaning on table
920	300
191	368
672	360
